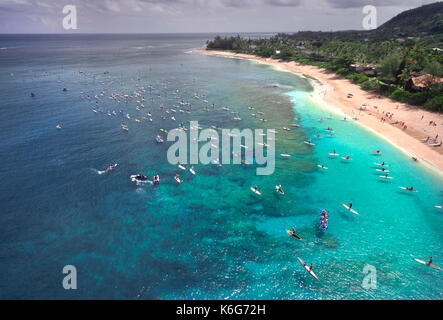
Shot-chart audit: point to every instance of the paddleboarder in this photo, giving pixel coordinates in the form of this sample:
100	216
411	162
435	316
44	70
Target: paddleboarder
430	261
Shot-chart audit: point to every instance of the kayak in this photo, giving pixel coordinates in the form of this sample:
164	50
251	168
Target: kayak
438	207
307	269
309	143
255	191
279	190
352	210
404	188
323	167
293	234
177	179
429	265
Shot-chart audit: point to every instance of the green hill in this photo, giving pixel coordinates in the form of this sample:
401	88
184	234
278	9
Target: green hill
425	19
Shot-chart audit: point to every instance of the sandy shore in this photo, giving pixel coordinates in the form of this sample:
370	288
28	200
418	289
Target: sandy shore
334	90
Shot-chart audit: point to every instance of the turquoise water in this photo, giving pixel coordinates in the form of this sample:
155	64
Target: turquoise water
210	237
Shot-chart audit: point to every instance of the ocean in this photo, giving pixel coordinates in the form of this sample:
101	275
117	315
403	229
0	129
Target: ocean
209	237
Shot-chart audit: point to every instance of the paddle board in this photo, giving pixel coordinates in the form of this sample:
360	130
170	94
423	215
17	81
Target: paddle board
307	269
379	164
293	234
277	188
352	210
255	191
429	265
404	188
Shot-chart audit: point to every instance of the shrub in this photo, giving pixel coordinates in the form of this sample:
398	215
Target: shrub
357	77
435	104
342	71
400	95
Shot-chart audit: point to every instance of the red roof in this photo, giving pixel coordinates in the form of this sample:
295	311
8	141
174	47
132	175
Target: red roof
426	79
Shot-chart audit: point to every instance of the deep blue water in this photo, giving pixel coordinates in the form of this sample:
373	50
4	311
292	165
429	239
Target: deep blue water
209	237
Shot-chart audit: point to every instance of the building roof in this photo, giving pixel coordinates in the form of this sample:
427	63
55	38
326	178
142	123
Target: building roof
424	80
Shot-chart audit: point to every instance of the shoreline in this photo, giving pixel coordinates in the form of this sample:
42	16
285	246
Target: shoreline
332	89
